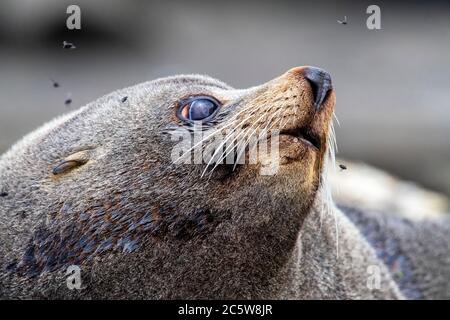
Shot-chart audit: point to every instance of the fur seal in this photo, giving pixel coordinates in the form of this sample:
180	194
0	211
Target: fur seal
97	188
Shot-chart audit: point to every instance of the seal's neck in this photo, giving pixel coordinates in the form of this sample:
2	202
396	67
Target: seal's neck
332	260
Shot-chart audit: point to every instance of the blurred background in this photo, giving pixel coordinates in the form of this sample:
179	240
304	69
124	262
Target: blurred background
393	84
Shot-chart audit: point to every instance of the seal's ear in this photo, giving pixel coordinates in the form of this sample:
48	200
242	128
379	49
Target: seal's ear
71	162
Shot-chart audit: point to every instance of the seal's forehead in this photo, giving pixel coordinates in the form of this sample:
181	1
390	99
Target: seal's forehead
189	80
181	85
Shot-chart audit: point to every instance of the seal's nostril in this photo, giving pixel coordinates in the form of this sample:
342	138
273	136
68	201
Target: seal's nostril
320	82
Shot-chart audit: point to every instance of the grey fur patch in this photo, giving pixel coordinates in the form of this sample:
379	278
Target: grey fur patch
388	249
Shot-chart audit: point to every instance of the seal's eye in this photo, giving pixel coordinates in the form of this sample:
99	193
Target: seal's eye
200	108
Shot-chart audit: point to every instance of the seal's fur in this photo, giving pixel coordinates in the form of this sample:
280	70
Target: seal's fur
140	226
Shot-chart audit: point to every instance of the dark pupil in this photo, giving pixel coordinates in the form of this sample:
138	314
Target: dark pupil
201	109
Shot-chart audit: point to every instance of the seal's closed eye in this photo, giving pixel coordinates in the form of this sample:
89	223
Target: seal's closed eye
71	162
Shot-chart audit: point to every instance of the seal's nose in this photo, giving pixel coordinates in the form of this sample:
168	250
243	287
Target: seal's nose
320	82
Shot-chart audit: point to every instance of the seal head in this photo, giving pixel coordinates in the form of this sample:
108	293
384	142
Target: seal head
107	188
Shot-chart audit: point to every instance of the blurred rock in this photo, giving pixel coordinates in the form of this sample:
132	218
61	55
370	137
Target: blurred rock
366	187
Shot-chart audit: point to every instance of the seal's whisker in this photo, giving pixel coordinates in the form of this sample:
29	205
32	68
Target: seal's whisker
227	137
246	141
274	114
201	142
226	152
286	121
296	115
244	146
242	132
335	117
232	122
214	132
241	138
277	121
330	159
220	148
260	126
332	139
